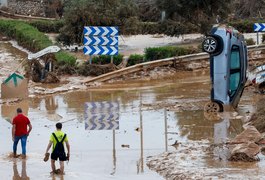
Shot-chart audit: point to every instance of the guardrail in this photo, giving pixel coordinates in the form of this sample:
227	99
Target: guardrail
157	63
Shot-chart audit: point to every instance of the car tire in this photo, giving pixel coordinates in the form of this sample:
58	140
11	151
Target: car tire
210	45
212	107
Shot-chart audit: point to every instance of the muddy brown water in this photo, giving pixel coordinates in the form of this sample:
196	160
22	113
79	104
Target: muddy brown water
143	130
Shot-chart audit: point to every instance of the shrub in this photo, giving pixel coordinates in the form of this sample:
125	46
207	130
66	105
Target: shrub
47	26
105	59
167	51
245	26
135	59
149	28
65	57
250	41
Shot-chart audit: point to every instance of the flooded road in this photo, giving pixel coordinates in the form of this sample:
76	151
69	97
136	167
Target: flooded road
103	154
151	116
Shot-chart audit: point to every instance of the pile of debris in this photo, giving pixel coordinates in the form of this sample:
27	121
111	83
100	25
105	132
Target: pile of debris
41	73
246	146
96	69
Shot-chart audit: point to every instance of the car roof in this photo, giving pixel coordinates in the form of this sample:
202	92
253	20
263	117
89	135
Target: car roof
230	29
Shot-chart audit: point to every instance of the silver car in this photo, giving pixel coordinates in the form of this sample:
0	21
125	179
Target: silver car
228	66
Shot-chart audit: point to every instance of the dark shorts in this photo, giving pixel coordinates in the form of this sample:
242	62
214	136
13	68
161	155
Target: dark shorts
61	156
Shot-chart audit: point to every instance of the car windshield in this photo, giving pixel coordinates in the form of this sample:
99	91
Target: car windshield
234	70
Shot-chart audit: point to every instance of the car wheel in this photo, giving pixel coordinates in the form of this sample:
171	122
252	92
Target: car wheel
212	107
210	45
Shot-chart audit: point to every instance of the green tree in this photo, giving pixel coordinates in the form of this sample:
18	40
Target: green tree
80	13
202	13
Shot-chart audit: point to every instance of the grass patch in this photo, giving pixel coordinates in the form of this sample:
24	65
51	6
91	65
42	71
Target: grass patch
31	38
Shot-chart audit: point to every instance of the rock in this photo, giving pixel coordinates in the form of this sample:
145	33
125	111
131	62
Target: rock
246	148
251	134
245	152
125	145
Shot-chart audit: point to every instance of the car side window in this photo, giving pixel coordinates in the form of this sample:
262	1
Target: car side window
234	70
234	82
235	58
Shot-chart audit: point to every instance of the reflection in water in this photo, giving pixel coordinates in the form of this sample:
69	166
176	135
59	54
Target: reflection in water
57	177
140	163
50	104
35	102
193	125
221	135
9	111
114	154
23	175
221	131
166	132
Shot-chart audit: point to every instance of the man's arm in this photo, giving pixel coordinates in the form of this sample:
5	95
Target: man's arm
30	128
13	131
68	149
49	146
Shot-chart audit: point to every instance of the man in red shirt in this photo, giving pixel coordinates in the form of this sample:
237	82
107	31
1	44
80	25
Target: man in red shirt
20	131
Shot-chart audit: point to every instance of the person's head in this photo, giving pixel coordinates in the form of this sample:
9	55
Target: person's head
59	126
19	110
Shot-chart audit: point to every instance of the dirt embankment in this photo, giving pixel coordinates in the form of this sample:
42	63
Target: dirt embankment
258	118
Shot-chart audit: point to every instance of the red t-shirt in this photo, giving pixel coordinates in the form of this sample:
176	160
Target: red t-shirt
21	123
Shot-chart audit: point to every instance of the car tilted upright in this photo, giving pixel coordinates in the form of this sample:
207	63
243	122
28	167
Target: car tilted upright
228	66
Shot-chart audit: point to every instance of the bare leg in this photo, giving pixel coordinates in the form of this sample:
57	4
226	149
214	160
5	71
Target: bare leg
62	167
53	165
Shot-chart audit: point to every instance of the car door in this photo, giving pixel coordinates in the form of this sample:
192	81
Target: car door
235	71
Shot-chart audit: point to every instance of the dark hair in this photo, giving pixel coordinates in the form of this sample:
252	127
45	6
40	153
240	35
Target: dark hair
59	125
19	110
